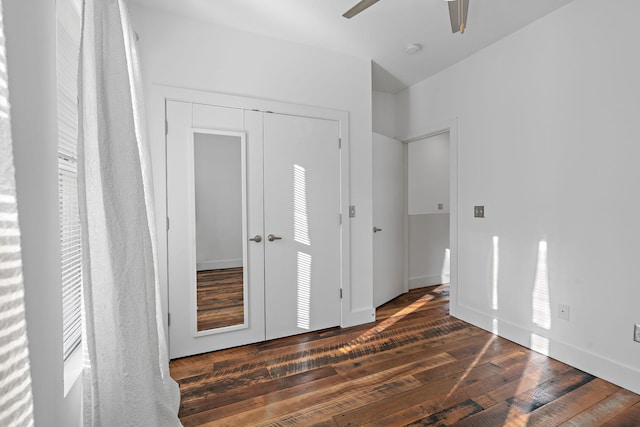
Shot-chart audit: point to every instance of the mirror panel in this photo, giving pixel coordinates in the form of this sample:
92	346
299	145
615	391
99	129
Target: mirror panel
219	231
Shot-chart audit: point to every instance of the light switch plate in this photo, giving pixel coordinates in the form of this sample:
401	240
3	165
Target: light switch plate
563	311
636	333
352	211
478	211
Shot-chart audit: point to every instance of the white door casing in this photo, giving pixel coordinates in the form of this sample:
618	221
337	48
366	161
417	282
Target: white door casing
388	215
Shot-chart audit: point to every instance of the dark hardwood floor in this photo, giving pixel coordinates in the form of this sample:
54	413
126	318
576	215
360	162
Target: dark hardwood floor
415	365
220	298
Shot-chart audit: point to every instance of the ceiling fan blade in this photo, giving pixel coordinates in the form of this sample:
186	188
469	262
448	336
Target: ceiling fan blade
362	5
458	10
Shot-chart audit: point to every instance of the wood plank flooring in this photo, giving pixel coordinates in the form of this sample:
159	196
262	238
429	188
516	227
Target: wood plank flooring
220	298
415	365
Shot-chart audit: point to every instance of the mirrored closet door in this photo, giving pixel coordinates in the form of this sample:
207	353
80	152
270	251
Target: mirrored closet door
253	201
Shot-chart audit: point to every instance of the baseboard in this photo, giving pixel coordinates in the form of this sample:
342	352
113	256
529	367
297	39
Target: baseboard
422	281
219	264
602	367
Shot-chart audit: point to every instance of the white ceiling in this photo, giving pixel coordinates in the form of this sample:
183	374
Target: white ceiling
380	33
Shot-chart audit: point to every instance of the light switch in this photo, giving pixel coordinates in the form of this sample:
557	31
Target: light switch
478	211
352	211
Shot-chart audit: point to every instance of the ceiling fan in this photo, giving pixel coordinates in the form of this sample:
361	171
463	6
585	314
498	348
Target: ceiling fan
458	10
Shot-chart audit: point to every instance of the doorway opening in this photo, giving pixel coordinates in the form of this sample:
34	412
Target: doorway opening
415	185
444	134
428	211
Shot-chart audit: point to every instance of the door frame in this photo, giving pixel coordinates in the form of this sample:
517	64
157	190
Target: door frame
429	130
160	94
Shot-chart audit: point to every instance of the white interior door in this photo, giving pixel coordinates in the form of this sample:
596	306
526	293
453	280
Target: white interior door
302	206
388	214
214	190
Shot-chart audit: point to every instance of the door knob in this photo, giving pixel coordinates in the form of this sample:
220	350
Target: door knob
257	238
271	238
376	229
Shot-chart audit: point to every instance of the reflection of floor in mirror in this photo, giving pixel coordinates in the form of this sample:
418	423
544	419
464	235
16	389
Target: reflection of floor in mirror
220	299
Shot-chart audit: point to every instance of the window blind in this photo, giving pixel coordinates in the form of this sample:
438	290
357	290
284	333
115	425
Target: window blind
67	54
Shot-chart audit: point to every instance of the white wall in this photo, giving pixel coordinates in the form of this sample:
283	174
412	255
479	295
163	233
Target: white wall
428	175
548	142
384	113
181	52
218	188
428	250
30	39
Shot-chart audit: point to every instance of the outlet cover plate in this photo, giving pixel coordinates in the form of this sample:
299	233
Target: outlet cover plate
563	311
636	333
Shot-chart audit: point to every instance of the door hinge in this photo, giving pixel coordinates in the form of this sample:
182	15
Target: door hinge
169	319
167	223
339	143
166	127
340	293
340	218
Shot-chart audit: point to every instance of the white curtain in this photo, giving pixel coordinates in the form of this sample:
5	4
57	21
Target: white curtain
16	402
126	379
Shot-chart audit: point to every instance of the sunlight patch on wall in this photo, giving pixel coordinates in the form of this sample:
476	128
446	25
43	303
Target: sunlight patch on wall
494	278
541	303
300	217
540	344
445	272
304	291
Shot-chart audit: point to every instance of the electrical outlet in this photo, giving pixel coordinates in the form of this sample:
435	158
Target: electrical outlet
563	311
636	333
478	211
440	206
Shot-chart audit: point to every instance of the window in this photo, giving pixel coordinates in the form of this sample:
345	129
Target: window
67	54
